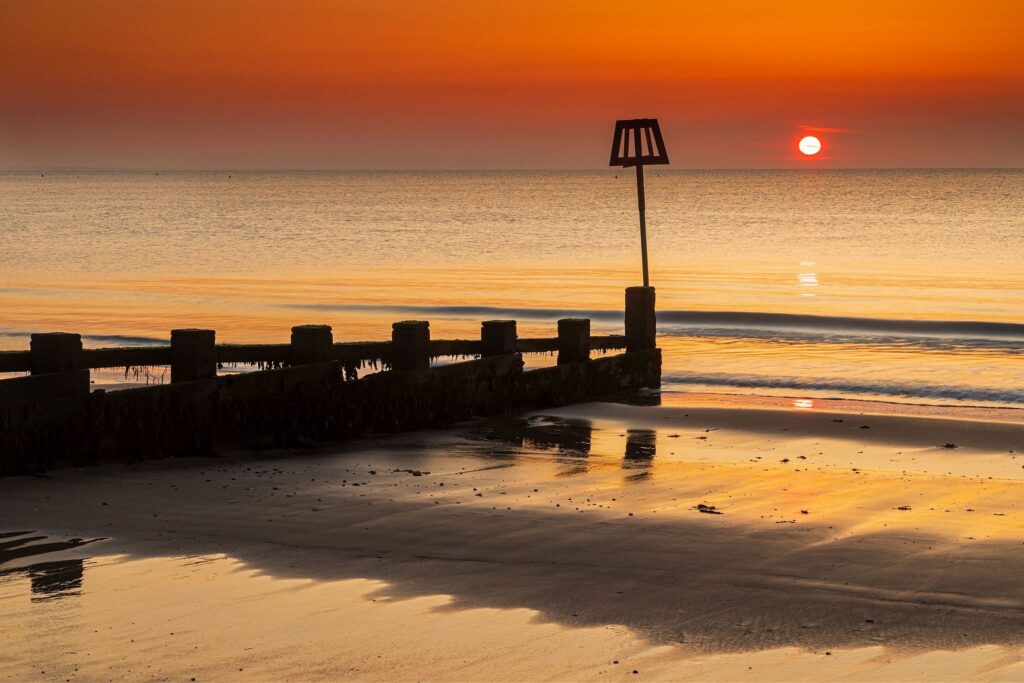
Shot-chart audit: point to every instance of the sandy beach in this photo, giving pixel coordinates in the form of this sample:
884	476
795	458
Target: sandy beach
713	538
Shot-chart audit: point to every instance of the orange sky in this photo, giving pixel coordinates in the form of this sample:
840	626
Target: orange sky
525	84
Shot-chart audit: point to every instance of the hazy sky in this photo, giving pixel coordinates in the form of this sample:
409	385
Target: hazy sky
526	84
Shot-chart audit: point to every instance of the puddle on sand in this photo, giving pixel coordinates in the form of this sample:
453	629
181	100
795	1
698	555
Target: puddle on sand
565	436
57	577
573	441
15	545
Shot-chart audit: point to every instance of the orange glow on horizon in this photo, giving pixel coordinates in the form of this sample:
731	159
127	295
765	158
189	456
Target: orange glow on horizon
319	83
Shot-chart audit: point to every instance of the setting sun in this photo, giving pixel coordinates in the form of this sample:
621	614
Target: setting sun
809	145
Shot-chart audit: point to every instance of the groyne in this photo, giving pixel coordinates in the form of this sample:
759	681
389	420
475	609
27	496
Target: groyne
306	392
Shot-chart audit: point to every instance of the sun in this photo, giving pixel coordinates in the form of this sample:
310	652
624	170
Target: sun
809	145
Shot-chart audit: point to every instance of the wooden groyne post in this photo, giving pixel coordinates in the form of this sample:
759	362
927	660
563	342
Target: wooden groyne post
641	328
573	340
193	355
497	337
410	345
55	352
311	344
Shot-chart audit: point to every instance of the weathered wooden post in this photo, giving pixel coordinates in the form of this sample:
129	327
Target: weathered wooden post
55	352
311	344
410	345
497	337
640	319
573	340
193	355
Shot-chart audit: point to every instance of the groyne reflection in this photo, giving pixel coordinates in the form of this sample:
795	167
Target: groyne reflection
641	447
52	580
48	580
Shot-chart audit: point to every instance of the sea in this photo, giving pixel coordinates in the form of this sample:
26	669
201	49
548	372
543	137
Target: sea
884	285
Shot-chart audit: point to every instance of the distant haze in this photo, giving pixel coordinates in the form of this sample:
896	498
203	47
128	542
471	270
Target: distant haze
321	84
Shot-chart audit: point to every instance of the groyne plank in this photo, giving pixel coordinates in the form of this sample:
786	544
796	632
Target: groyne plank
363	352
15	361
253	353
124	357
601	342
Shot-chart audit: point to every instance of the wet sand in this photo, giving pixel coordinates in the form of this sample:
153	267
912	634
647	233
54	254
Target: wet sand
852	544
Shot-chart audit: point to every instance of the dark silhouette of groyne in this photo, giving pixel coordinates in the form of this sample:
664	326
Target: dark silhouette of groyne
305	392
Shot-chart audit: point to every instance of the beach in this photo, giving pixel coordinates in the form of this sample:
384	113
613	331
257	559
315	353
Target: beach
710	537
826	486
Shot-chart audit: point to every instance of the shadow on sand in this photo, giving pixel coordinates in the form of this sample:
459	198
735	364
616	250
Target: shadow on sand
706	581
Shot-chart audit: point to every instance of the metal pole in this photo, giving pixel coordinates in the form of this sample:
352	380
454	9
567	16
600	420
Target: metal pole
643	218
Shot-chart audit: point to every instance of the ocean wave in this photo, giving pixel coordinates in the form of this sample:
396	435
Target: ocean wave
822	323
117	339
472	311
916	389
722	323
792	336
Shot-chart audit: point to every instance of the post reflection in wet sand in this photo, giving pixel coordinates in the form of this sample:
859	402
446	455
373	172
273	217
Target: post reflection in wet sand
641	447
56	579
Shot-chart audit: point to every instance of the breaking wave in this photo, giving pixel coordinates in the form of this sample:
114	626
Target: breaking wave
843	387
818	328
116	339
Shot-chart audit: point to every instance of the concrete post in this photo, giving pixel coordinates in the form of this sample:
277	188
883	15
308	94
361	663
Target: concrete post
573	340
640	319
193	355
312	344
55	352
497	337
410	345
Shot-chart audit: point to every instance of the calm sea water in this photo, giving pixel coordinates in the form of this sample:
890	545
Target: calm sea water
844	261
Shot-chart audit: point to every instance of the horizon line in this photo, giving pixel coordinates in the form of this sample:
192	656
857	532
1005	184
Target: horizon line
103	169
